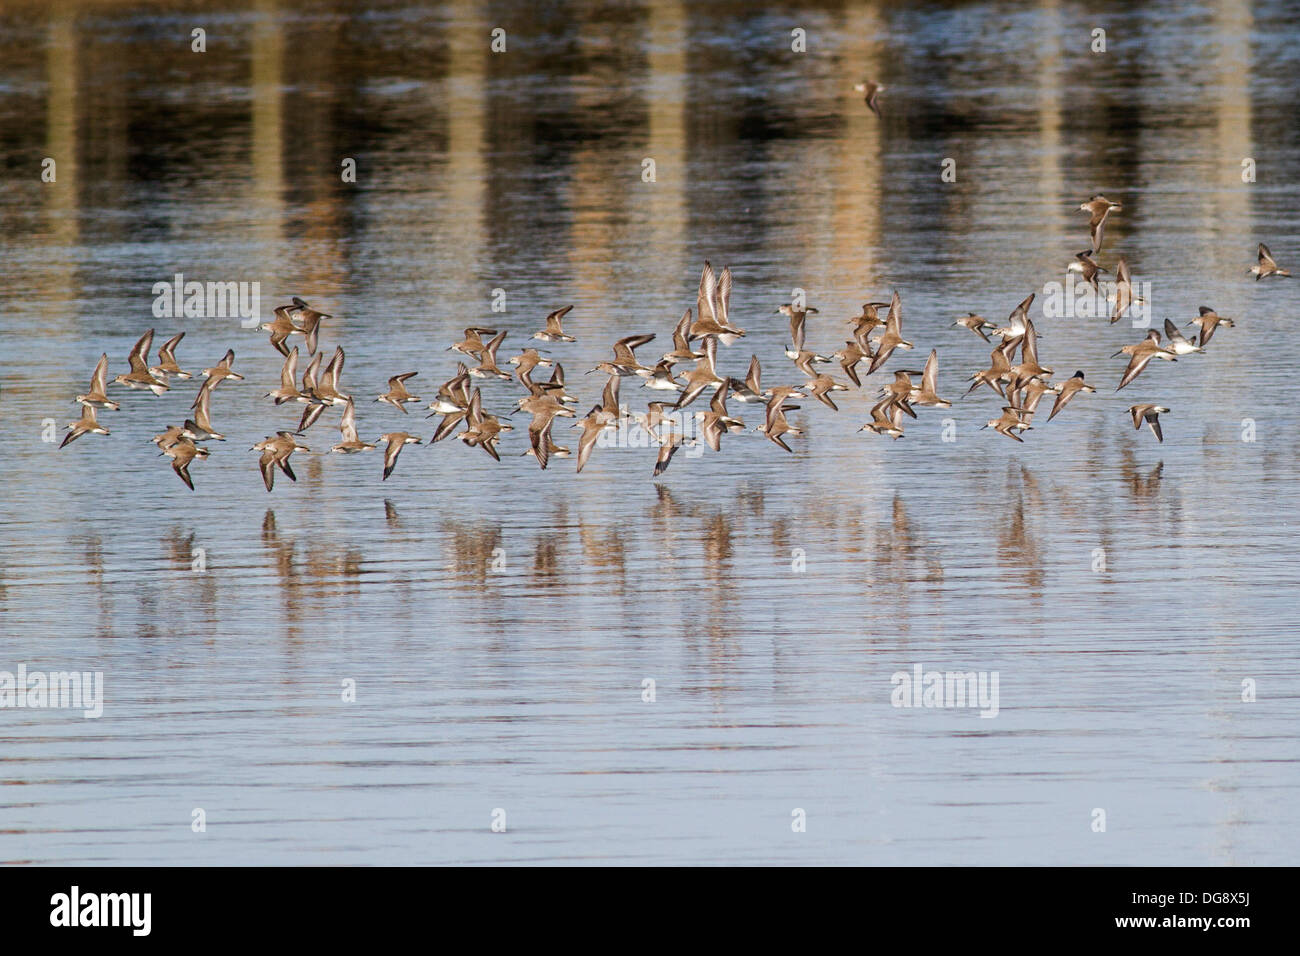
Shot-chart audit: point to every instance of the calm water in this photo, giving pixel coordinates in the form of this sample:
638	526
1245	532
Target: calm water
521	689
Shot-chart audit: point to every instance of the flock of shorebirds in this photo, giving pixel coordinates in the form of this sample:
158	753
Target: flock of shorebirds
1015	374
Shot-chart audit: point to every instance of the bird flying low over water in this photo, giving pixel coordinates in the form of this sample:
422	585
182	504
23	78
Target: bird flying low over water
1098	208
1149	414
140	377
1141	354
1209	320
1266	266
554	331
871	94
1067	390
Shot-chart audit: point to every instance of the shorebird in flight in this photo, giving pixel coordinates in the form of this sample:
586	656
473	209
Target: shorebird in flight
140	377
97	396
1098	208
1141	354
797	316
86	425
554	331
892	338
167	360
976	323
712	305
182	452
1149	414
396	442
1178	342
1086	266
1209	320
276	451
1067	390
1013	420
351	443
281	327
397	395
1266	266
870	94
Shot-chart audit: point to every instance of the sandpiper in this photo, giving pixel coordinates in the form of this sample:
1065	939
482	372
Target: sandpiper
775	426
1123	291
554	332
472	344
1209	320
182	452
327	388
544	410
820	388
140	377
668	446
1029	367
97	396
396	442
220	372
453	394
625	360
662	378
886	418
1098	208
288	390
1178	342
866	323
281	327
309	320
397	395
1067	390
525	362
1149	414
928	392
804	360
595	422
1086	266
717	420
849	357
892	337
1017	320
1013	420
703	376
86	425
976	323
998	370
167	360
609	399
169	436
1141	355
751	389
199	428
276	451
308	397
682	351
1266	265
654	417
797	315
351	443
488	360
712	305
870	94
482	429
